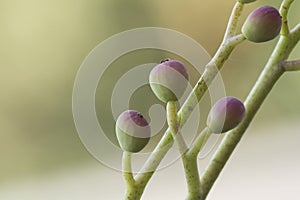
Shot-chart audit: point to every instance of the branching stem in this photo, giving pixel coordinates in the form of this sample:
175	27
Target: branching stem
189	162
284	8
270	75
291	65
211	70
273	70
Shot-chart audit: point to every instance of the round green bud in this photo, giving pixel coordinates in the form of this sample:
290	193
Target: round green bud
225	115
245	1
168	80
133	131
262	25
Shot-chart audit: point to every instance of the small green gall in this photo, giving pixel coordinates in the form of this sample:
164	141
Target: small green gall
262	25
133	131
225	115
168	80
245	1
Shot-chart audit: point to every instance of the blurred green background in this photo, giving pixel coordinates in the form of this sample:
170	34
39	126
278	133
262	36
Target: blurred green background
43	43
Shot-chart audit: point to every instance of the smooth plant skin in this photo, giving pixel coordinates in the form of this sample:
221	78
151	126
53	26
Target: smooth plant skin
262	25
133	131
200	186
189	160
225	115
230	41
168	80
274	69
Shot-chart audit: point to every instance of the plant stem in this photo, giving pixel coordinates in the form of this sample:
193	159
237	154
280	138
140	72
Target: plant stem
195	190
173	124
199	142
211	70
291	65
233	20
295	32
284	8
192	177
133	193
199	90
189	163
131	187
127	170
271	73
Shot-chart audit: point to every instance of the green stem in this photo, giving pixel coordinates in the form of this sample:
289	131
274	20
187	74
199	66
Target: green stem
271	73
291	65
189	163
127	170
134	189
133	193
195	190
211	70
173	124
265	83
295	32
284	8
199	90
233	20
192	177
199	142
131	187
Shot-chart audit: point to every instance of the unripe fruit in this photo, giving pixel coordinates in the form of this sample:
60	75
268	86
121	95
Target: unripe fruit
168	80
262	25
245	1
133	131
225	115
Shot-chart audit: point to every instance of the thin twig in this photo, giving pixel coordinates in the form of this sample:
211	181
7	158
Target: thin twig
197	93
199	142
284	8
127	169
291	65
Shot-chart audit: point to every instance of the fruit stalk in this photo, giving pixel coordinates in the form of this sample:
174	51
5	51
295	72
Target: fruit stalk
210	72
270	75
189	162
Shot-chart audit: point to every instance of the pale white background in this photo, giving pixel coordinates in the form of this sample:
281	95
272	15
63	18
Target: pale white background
265	166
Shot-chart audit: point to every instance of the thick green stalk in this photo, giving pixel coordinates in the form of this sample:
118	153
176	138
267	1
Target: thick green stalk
197	93
192	177
284	8
199	90
134	193
189	162
270	75
173	124
268	78
195	190
292	65
199	142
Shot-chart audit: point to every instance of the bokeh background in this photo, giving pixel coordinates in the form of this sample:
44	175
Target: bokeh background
42	45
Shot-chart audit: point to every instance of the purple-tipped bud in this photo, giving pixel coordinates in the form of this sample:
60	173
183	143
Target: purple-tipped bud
245	1
168	80
133	131
225	115
262	25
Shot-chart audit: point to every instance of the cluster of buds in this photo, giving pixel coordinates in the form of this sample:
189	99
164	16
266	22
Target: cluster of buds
169	80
